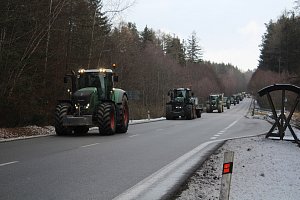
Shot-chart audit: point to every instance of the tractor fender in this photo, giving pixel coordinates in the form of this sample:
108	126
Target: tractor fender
117	95
64	101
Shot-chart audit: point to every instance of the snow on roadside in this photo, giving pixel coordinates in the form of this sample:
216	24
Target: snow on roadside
263	169
35	131
23	132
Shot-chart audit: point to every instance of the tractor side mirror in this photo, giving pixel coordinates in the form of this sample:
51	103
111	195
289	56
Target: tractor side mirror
192	94
116	78
65	79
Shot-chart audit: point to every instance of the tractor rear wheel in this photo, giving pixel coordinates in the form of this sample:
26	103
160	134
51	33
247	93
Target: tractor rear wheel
124	117
106	118
198	113
61	110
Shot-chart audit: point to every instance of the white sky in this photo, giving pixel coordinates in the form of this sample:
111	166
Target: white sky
229	31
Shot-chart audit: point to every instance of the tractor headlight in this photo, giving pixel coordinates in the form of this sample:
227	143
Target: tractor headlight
87	106
81	71
76	106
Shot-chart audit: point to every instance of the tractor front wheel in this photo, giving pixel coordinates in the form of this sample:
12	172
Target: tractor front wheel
208	108
61	110
169	115
106	118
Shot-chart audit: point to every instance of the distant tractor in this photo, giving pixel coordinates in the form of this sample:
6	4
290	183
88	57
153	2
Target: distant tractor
232	100
226	102
236	98
215	102
93	102
183	104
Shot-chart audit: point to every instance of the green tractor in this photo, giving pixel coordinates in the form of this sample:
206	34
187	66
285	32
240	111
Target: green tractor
236	98
93	102
226	102
215	102
183	104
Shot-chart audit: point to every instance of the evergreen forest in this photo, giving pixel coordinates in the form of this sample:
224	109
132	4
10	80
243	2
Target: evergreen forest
279	61
41	41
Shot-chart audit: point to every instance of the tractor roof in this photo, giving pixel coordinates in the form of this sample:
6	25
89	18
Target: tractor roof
182	89
95	70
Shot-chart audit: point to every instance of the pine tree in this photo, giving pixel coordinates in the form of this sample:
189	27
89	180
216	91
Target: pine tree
175	49
194	52
147	35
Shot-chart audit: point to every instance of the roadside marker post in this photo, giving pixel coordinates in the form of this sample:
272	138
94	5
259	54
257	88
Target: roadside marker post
226	175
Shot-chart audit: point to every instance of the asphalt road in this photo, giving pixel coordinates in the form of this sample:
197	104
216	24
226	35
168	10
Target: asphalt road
118	166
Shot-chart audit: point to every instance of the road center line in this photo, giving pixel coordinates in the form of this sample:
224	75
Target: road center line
133	135
213	138
89	145
8	163
233	123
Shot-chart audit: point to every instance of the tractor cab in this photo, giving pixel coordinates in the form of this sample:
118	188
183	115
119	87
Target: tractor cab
99	79
180	94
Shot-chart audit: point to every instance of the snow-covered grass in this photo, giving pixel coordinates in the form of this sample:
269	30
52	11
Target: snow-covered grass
25	132
263	169
7	134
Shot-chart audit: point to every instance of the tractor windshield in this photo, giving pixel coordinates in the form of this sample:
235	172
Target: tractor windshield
90	80
180	93
213	97
102	81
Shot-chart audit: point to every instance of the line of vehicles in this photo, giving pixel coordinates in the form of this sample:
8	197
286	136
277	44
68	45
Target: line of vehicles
94	101
184	104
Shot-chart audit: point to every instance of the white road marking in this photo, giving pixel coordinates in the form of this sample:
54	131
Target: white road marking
224	130
160	129
8	163
89	145
233	123
133	135
143	189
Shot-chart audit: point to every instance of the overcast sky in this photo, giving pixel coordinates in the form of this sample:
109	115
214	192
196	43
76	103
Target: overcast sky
229	31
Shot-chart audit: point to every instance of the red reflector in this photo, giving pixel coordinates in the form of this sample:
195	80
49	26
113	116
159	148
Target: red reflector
227	168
